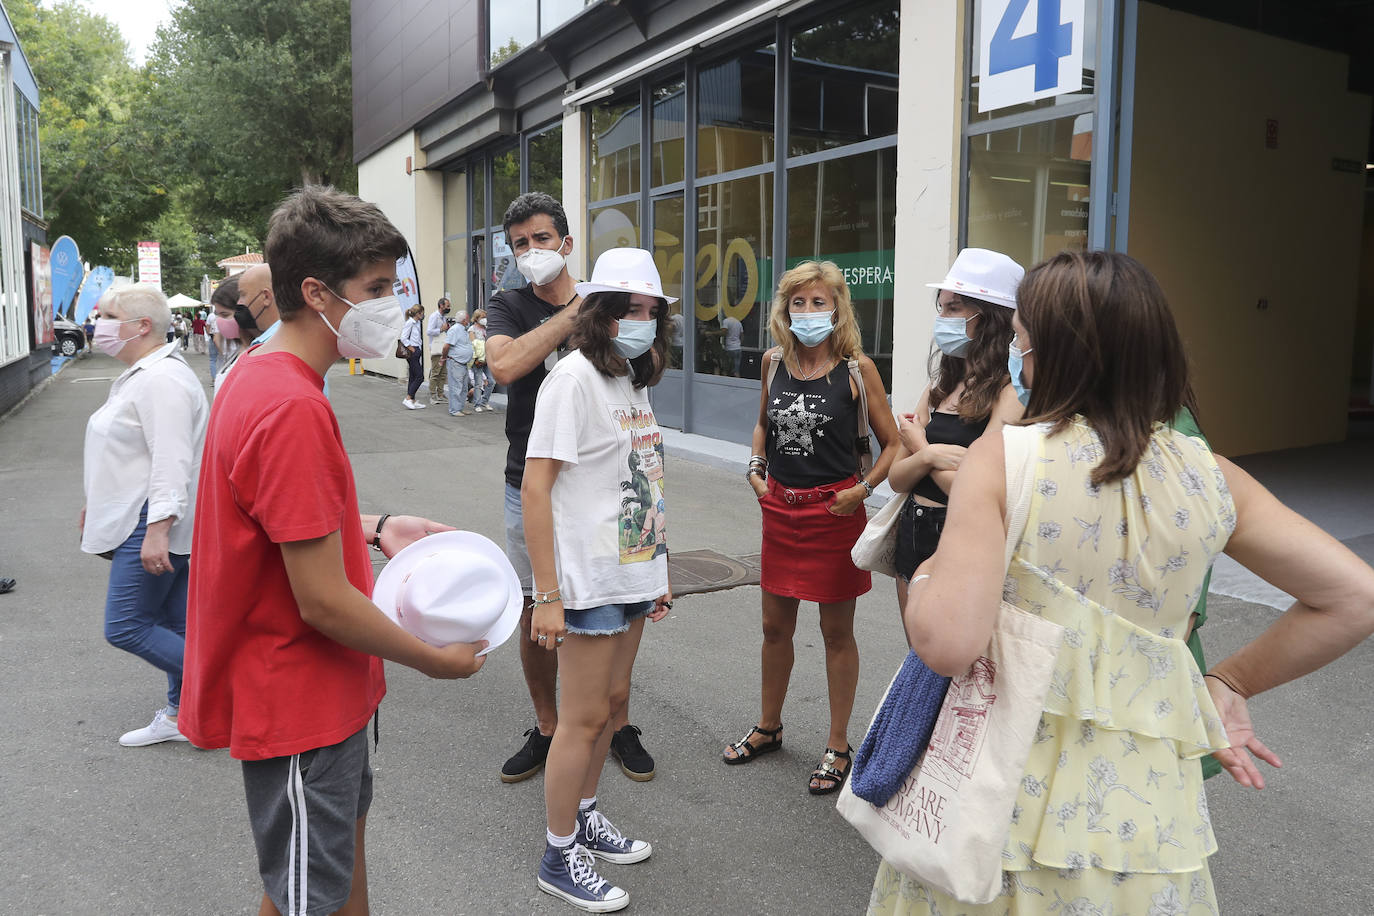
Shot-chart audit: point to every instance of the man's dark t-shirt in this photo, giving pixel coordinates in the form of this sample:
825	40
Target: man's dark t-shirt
511	313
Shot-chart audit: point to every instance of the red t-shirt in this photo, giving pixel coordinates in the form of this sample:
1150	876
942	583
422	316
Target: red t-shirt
198	326
258	679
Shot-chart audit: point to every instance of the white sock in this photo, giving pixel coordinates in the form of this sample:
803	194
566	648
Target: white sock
587	804
560	842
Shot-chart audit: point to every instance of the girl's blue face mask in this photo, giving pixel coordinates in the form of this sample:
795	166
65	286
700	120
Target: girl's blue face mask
1014	366
634	337
951	335
810	328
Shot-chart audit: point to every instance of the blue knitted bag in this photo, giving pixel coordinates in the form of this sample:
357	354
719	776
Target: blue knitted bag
899	733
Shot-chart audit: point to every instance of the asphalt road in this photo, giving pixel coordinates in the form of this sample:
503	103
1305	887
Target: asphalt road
89	827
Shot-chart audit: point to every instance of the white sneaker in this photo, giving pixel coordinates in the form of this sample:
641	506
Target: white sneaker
416	405
159	730
408	404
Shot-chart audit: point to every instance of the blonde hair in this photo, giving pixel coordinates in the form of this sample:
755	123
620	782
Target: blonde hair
844	340
140	300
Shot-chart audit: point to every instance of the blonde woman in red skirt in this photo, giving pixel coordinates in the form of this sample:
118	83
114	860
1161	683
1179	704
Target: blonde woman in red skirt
805	472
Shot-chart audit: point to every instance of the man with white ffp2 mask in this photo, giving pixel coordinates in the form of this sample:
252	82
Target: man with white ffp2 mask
527	328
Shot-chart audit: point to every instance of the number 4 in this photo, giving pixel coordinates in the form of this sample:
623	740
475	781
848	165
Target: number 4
1041	49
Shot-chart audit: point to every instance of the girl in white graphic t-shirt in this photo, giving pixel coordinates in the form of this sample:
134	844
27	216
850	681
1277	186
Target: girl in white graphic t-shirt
595	526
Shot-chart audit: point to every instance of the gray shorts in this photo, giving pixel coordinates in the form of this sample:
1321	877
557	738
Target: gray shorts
304	811
516	551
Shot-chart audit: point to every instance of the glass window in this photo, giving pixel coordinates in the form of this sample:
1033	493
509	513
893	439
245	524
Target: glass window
616	226
734	274
455	202
669	227
513	24
844	79
504	273
843	210
615	149
546	162
505	182
553	13
1089	70
1028	188
456	273
735	112
669	129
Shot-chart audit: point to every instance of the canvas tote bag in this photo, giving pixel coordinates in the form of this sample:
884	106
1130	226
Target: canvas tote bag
876	548
948	823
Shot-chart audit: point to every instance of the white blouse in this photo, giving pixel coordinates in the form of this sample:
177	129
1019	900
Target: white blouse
144	445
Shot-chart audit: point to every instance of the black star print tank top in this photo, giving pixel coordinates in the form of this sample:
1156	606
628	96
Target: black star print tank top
812	428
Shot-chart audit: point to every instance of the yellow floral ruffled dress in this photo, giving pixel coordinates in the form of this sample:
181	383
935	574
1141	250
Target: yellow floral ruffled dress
1112	817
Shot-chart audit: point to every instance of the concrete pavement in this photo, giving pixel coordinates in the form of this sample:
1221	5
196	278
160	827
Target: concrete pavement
90	827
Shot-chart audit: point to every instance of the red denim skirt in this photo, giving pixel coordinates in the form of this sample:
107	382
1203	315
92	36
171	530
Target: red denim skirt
806	547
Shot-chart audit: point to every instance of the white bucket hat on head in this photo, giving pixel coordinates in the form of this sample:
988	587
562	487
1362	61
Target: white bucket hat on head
625	270
981	274
454	586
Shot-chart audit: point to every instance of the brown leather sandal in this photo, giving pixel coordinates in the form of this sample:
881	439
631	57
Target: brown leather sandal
745	752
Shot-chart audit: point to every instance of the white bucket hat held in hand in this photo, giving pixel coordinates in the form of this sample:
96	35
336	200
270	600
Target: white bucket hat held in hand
989	276
454	586
625	270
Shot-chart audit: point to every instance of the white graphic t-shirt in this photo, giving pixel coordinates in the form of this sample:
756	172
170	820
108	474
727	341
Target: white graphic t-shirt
609	521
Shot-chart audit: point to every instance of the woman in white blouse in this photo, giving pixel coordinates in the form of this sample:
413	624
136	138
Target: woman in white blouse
142	461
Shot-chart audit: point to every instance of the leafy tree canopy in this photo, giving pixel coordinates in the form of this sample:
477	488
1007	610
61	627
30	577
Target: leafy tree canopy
240	101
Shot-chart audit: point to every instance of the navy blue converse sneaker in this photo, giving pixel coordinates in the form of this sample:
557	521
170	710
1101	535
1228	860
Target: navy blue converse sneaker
600	838
568	874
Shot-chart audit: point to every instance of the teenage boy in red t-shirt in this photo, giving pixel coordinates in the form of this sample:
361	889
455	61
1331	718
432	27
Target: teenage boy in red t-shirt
286	674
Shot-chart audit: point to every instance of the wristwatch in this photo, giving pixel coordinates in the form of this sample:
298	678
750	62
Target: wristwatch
868	487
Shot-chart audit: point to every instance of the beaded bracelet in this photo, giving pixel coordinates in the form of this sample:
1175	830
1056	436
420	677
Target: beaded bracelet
548	597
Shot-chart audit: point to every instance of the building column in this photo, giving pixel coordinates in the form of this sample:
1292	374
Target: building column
575	146
929	125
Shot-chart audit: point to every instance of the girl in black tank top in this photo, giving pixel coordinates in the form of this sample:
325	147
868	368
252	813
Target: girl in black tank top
970	392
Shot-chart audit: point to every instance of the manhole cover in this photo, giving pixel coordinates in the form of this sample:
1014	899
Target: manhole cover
693	571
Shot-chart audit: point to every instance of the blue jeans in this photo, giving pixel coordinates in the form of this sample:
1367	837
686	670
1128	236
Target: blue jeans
146	614
482	384
457	386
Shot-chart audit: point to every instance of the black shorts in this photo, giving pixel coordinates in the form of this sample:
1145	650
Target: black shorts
304	811
918	534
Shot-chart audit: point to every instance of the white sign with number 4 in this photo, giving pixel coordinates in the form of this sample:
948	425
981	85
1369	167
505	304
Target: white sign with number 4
1028	50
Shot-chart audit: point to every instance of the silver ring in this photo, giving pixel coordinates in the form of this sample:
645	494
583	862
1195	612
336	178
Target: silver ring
558	641
542	638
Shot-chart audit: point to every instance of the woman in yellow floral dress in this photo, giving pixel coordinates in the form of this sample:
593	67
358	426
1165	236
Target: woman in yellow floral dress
1125	519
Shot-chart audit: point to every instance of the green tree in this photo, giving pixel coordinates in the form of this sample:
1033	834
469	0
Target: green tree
258	100
97	185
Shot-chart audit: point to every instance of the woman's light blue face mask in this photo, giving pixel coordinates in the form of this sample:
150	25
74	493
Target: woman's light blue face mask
634	337
951	335
1015	356
811	328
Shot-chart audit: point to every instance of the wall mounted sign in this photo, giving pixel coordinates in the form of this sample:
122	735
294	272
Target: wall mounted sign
1029	50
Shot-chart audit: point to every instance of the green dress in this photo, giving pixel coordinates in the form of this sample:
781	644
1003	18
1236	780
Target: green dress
1111	817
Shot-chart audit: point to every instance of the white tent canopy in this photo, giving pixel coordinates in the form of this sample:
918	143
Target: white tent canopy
182	301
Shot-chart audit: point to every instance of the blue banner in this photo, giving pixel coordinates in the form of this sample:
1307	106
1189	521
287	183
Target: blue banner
97	281
66	274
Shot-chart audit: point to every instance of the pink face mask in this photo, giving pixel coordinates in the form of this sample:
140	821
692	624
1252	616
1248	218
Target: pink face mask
228	328
107	337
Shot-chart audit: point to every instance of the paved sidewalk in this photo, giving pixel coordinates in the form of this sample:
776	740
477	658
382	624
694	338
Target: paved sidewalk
90	827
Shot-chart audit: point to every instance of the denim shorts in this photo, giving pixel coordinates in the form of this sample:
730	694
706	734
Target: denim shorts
918	534
606	620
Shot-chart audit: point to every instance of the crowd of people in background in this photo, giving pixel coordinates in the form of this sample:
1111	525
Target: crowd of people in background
1075	362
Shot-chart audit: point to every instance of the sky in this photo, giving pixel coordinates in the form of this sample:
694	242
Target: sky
137	19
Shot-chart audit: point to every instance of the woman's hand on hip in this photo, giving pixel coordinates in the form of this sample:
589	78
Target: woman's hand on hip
759	484
847	501
547	627
1235	718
